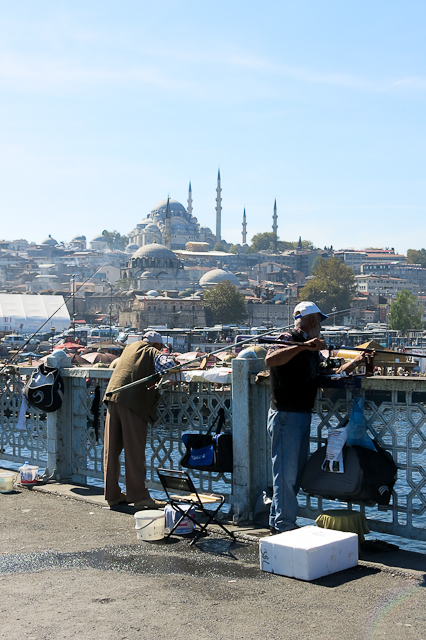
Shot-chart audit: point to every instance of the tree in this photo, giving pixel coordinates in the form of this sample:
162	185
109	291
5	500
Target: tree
332	285
263	241
266	241
219	247
234	248
405	312
417	257
223	304
115	240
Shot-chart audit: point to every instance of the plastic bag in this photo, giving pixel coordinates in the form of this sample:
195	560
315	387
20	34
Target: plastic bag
357	434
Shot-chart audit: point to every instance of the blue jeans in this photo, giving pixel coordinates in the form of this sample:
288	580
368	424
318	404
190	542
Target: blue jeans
289	433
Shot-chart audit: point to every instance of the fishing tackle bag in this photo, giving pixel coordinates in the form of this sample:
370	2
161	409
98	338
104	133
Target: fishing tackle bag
369	476
207	451
45	389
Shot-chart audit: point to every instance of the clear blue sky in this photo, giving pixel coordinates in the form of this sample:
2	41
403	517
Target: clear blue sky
106	107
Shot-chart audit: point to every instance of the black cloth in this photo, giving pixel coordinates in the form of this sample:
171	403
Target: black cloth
294	385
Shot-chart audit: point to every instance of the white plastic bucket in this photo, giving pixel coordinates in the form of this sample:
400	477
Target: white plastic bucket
28	474
150	524
6	481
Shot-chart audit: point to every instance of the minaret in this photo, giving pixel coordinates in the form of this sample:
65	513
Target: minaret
190	199
244	227
168	226
275	224
218	207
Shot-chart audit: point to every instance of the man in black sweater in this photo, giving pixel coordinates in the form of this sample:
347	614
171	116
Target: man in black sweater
294	382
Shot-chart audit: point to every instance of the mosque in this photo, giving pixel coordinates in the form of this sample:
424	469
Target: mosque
169	223
169	226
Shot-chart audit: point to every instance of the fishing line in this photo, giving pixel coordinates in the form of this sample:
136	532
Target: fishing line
11	359
213	353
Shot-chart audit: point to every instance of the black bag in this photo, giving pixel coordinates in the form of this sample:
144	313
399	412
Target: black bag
44	390
330	485
369	476
207	452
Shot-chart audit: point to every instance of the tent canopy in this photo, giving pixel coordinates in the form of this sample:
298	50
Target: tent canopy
26	313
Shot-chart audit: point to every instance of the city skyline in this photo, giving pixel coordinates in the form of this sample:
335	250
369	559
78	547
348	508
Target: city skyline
107	109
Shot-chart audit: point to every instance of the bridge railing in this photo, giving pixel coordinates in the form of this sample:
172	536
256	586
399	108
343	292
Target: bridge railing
69	443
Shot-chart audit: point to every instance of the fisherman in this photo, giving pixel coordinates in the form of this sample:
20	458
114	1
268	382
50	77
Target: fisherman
294	383
128	414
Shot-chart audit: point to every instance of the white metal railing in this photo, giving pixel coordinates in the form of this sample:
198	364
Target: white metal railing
70	445
67	445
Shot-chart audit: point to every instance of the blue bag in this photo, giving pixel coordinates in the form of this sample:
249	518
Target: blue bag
207	452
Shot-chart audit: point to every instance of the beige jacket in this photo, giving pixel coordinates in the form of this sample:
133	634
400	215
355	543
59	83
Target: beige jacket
135	363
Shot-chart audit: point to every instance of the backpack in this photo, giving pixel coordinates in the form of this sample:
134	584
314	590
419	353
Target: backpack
44	390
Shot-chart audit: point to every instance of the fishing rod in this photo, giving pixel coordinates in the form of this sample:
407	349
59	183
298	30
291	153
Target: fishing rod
389	351
213	353
202	357
15	355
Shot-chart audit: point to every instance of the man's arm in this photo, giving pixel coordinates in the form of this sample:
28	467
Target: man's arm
283	355
350	366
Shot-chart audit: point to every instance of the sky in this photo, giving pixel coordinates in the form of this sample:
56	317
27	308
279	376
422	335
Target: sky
108	107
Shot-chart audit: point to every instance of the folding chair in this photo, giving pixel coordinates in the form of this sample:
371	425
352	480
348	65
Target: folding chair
181	482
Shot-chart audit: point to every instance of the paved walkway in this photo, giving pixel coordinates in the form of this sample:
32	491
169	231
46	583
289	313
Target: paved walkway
72	568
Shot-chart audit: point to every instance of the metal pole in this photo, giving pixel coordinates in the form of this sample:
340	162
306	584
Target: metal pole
73	303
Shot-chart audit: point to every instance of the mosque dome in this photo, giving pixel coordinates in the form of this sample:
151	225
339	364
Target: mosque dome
153	293
215	276
99	238
154	250
175	207
79	239
50	241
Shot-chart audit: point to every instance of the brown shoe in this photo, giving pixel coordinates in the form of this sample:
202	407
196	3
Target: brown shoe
150	503
121	499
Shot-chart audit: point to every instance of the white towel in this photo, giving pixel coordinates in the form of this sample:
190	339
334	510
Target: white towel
22	419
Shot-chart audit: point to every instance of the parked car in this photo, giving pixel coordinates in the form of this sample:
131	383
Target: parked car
14	341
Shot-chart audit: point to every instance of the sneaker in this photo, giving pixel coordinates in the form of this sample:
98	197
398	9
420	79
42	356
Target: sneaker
121	499
150	503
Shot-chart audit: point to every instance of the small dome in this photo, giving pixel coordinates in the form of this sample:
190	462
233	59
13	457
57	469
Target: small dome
153	293
152	227
132	247
154	250
50	241
99	238
214	276
79	239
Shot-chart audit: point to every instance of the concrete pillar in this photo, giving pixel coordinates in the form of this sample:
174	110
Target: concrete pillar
59	440
251	448
67	433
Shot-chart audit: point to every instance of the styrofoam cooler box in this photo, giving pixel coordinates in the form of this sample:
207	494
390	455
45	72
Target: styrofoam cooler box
308	553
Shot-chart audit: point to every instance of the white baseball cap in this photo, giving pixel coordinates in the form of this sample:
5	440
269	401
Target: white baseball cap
153	337
306	309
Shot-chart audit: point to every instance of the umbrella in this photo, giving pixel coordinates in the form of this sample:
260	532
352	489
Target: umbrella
187	357
76	358
68	345
97	356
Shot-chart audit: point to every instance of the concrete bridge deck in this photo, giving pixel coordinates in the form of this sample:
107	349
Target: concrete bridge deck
72	568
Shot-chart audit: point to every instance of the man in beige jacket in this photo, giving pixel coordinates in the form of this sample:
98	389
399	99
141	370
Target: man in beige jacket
128	414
